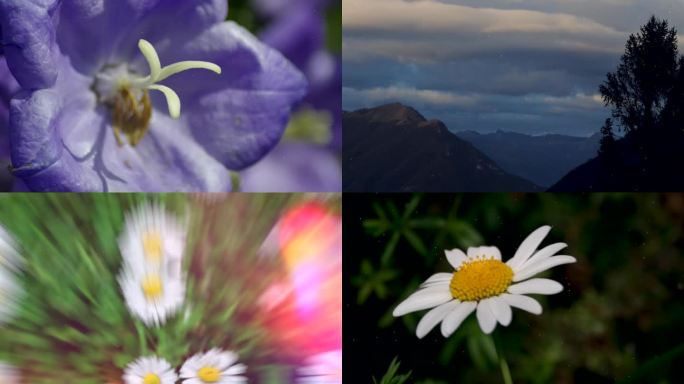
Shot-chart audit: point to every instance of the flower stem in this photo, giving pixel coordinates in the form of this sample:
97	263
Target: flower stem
503	364
142	340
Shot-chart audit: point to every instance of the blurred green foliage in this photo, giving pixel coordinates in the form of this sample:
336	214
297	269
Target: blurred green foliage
619	317
242	12
72	325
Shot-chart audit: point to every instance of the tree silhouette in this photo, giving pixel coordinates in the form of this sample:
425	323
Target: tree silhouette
608	138
644	91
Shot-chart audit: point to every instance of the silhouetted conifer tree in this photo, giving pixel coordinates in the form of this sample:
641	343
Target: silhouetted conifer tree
643	91
607	139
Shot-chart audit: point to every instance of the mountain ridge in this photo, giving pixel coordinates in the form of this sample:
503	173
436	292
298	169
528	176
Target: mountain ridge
392	147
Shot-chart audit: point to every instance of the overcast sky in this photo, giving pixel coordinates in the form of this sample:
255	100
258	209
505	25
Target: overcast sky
531	66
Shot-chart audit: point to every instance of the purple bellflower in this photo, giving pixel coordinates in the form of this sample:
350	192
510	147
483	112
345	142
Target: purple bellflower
297	30
101	88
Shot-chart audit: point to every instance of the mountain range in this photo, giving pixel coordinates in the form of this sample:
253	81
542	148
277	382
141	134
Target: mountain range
543	159
393	148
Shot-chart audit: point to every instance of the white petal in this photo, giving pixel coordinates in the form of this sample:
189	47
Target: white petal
454	319
236	369
532	269
523	302
420	300
474	252
486	252
456	257
485	316
542	255
437	279
528	246
501	310
536	286
433	317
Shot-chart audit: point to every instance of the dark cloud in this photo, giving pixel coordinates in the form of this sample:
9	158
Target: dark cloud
525	65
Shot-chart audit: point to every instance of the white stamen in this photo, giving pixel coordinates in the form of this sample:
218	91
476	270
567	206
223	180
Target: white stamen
157	74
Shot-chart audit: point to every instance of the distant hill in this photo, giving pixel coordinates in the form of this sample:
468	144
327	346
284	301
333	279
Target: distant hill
637	164
394	148
541	159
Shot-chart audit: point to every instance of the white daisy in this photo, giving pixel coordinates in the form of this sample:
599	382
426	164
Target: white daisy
152	281
152	296
154	238
10	263
482	282
9	252
9	374
149	370
324	368
214	366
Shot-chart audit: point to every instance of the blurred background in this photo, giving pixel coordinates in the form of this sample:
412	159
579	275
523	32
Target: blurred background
619	318
309	34
249	260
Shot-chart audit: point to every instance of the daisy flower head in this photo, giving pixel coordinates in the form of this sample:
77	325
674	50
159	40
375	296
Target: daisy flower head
154	238
149	370
484	284
9	254
10	289
214	366
151	296
324	368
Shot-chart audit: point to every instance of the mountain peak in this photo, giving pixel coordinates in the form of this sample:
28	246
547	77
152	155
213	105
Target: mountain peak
393	148
394	113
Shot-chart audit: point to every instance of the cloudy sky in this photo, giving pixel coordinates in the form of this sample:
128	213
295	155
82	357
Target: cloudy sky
531	66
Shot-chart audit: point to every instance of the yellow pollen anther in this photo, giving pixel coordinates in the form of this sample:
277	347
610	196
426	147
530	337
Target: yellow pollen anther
209	374
152	246
131	116
151	378
480	279
152	287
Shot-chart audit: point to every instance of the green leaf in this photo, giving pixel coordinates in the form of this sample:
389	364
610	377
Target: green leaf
391	376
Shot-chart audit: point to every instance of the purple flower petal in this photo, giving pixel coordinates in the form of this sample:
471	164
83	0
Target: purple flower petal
239	116
296	35
8	87
294	167
28	41
110	29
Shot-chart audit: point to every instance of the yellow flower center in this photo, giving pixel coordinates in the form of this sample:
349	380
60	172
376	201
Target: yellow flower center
151	378
480	279
209	374
152	245
152	287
